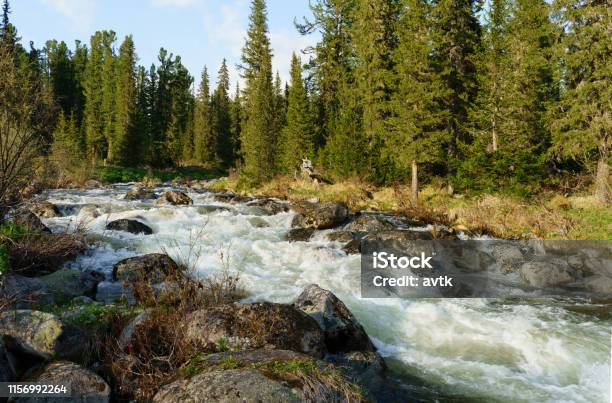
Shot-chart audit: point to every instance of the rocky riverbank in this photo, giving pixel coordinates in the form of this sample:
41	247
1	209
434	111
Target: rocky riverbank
218	340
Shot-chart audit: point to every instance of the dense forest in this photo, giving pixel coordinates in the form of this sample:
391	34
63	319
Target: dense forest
504	94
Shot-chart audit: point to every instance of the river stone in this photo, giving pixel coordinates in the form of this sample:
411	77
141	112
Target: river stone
508	256
132	226
258	222
223	197
340	236
140	193
399	235
256	325
85	386
369	223
599	284
342	331
42	334
270	205
93	184
153	267
24	291
212	209
30	221
353	247
229	386
299	234
319	216
175	198
45	210
547	273
66	284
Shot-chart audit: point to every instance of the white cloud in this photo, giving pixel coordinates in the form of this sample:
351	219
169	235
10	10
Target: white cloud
80	12
174	3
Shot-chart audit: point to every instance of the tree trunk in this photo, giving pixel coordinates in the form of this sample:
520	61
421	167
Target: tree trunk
415	182
494	124
603	189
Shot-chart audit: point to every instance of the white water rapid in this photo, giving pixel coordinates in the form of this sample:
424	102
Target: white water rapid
532	350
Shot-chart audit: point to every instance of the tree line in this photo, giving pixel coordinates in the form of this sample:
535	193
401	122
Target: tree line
511	93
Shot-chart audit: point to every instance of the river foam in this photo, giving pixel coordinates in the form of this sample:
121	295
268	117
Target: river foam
516	350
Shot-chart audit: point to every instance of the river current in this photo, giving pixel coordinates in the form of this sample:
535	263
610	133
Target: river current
518	349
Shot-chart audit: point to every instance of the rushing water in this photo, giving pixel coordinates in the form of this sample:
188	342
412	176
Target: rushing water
473	349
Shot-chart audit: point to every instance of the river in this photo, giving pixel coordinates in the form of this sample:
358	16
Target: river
519	349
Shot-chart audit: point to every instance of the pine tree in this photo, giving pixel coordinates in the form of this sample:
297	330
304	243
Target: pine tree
79	66
416	136
141	141
236	123
297	137
125	102
8	32
204	143
221	119
280	105
582	122
456	41
61	74
258	136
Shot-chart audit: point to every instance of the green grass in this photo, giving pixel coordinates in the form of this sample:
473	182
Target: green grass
595	223
94	317
111	174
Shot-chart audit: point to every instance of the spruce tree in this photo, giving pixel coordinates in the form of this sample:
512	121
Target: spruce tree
374	33
221	119
416	136
109	92
236	123
204	143
258	136
92	88
141	141
297	136
582	122
456	41
124	129
61	75
79	67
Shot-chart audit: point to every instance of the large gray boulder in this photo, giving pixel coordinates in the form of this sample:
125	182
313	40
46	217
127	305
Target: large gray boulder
299	234
174	198
599	284
85	386
270	205
131	226
369	223
255	325
343	333
42	334
319	215
153	267
544	274
140	193
30	221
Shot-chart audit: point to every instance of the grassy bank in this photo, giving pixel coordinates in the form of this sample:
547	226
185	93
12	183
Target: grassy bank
547	216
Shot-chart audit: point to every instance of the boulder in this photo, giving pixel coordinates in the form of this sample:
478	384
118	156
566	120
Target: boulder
85	386
353	247
223	197
255	325
30	221
93	184
24	291
66	284
153	267
599	284
42	334
342	331
369	223
319	216
341	236
174	198
230	386
256	211
508	256
212	209
547	273
45	210
132	226
140	193
270	205
299	234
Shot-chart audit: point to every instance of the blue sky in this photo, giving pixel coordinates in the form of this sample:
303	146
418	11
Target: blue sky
202	32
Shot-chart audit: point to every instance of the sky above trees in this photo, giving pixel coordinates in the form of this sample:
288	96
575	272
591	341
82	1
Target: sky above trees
202	32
